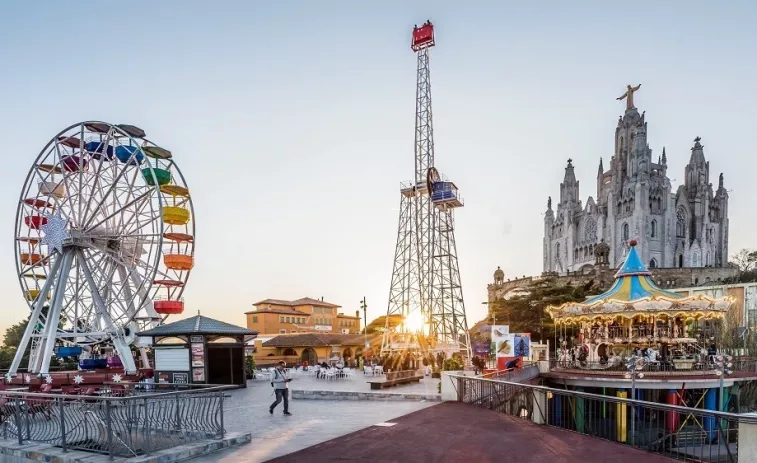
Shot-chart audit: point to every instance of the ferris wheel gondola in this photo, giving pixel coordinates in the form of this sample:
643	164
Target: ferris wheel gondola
93	241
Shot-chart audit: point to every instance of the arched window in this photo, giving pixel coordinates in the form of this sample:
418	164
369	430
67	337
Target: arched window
681	223
557	250
695	260
654	228
680	260
625	232
652	263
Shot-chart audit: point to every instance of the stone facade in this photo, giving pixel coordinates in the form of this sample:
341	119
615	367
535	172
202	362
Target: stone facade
683	228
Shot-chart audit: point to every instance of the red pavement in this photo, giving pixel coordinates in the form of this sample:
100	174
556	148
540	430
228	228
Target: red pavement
456	432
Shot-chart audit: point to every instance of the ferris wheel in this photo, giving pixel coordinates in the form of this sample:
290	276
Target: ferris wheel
104	242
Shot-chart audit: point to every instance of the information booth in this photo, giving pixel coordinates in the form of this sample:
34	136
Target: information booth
199	350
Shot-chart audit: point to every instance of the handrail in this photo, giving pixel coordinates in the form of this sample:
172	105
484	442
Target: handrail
751	419
46	395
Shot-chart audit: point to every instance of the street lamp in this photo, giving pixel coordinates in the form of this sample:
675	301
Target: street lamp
723	365
635	367
364	306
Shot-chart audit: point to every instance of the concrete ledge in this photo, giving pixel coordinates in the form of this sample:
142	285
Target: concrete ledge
45	452
350	395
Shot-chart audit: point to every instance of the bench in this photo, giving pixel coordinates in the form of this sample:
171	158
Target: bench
394	378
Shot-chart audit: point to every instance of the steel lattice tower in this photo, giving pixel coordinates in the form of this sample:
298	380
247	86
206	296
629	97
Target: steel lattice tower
425	276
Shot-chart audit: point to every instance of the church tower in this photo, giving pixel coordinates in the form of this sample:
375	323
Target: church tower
685	228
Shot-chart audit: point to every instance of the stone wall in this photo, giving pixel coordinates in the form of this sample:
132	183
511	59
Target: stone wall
603	278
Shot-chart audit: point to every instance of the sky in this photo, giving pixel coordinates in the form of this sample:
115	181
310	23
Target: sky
292	122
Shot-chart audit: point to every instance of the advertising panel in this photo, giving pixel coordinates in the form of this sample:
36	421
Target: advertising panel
511	348
481	349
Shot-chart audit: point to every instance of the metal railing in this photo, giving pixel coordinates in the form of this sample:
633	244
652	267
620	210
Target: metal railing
114	420
673	367
681	433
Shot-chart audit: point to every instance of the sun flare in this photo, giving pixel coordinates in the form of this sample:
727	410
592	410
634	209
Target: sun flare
414	322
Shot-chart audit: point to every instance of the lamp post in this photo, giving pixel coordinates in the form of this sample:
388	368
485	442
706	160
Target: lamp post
364	306
723	365
635	366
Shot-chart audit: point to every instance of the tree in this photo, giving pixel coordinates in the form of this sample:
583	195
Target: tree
746	261
527	313
378	324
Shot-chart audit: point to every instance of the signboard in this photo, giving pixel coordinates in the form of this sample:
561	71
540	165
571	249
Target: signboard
522	345
198	375
198	355
511	348
482	349
196	339
501	341
323	327
176	377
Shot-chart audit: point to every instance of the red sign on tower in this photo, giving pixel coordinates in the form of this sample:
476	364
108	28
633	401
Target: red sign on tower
423	36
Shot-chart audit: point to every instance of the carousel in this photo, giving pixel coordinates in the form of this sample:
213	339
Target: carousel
635	318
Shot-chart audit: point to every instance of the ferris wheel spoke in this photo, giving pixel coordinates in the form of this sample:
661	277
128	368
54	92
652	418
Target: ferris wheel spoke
116	264
129	193
141	225
112	187
41	263
134	201
104	143
106	280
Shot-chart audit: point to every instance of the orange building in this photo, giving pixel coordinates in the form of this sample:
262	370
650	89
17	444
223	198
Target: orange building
305	315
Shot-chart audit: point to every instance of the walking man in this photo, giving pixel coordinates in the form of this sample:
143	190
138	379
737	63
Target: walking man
280	387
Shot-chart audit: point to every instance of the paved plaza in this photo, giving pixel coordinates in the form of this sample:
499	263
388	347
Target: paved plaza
453	432
312	421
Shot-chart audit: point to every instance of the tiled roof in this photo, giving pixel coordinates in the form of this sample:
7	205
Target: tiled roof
279	311
341	315
301	301
316	340
197	325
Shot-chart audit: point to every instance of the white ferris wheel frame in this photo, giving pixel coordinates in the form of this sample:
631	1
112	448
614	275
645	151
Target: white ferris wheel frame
99	282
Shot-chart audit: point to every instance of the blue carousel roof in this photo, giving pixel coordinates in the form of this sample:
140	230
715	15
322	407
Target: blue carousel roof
633	283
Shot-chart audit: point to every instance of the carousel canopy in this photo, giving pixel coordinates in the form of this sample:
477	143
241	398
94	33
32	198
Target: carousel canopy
634	293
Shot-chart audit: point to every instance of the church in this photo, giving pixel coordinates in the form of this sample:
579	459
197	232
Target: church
683	228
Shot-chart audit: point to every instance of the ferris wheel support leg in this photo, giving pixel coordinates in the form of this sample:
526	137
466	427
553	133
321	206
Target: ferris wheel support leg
143	357
53	318
33	318
117	336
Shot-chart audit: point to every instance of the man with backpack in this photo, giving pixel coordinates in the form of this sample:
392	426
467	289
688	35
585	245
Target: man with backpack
281	388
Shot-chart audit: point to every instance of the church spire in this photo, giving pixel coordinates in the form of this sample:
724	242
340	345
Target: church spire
664	157
698	169
601	169
569	185
570	175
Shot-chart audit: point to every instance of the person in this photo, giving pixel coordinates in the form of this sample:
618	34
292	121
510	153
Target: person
280	387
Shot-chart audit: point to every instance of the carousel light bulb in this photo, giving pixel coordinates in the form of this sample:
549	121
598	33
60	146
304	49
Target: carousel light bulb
641	375
728	372
627	375
718	373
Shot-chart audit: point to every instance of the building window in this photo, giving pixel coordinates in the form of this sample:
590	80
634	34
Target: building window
254	319
680	260
681	224
282	331
652	263
695	260
281	319
625	232
654	228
